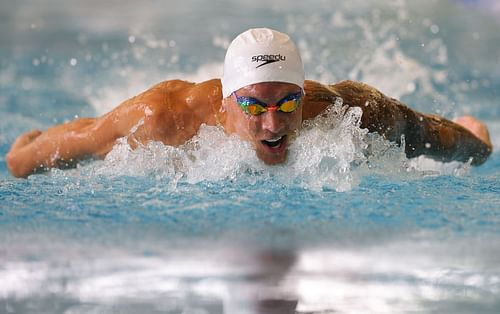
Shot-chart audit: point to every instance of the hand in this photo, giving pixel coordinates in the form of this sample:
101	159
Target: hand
476	127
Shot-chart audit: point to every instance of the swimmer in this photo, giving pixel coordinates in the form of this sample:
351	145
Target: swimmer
263	98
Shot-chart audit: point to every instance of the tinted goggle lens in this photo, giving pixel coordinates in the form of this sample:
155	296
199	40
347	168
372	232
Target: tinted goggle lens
255	107
289	105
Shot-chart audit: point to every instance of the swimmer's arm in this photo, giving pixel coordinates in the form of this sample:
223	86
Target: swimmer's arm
143	118
444	140
61	146
64	145
428	135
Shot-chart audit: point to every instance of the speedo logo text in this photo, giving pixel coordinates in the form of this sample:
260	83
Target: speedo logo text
267	59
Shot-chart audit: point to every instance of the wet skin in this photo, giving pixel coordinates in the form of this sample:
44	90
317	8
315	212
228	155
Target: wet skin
270	132
172	112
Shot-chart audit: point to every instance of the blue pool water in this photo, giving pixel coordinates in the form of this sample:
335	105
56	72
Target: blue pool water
206	228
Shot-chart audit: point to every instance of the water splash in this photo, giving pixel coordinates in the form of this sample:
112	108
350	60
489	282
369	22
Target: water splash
327	150
331	152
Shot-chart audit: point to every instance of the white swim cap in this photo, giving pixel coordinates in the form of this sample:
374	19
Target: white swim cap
261	55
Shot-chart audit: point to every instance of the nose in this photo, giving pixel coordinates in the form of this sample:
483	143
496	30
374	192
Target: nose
273	122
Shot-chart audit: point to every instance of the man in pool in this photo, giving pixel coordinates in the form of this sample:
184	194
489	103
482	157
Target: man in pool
263	98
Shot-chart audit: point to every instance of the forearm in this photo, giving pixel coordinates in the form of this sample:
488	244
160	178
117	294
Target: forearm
58	147
46	151
64	145
444	140
428	135
435	137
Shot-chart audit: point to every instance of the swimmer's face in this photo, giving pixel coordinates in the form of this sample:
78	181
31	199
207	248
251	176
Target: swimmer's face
269	132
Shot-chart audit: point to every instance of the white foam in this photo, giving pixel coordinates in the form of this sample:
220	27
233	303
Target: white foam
330	152
388	61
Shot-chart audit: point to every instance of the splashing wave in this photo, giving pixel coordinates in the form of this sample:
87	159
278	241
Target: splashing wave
331	152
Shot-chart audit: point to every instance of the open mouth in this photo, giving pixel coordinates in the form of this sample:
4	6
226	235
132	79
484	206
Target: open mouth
274	142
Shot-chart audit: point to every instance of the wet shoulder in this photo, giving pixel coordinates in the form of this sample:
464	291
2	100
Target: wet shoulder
356	93
317	98
202	100
384	115
201	93
160	92
185	109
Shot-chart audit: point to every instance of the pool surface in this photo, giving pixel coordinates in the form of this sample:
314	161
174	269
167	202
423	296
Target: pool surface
206	227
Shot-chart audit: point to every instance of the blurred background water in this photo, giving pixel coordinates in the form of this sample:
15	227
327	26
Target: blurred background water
136	233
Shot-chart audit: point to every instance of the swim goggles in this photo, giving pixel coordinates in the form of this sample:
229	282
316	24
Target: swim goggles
255	107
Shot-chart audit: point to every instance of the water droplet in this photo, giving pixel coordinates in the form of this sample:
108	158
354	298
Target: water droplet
411	87
73	61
